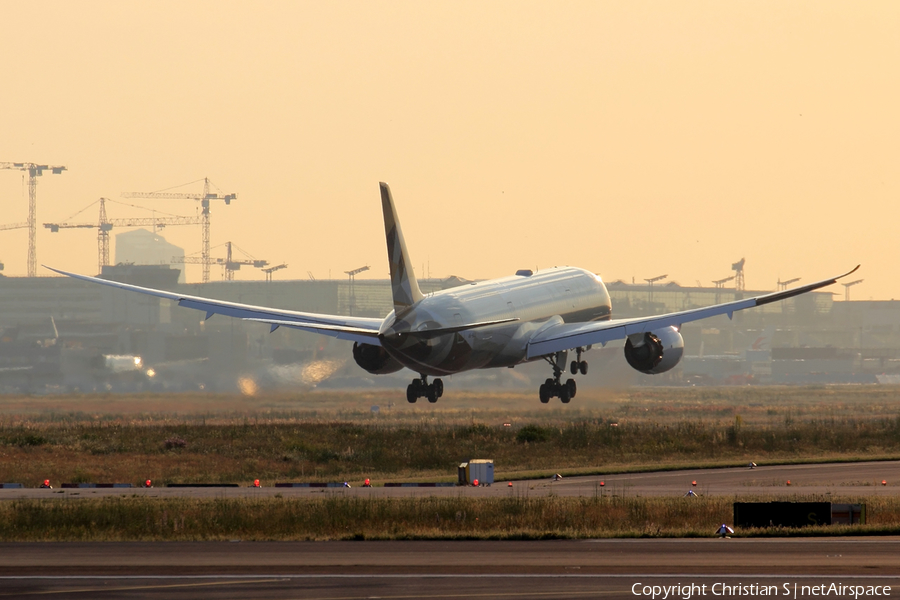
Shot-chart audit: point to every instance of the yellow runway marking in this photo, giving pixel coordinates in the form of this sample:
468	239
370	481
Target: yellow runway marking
141	587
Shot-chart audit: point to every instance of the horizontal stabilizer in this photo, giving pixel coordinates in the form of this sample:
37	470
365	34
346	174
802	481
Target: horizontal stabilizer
341	332
433	333
370	336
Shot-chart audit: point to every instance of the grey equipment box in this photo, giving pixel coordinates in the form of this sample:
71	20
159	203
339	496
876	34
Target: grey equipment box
481	469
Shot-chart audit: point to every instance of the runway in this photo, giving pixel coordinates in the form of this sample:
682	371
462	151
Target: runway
476	569
837	479
491	569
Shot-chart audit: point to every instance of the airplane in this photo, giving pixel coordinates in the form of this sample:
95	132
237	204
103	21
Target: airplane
525	317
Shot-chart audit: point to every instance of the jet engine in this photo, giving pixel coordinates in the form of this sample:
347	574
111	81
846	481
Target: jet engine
374	359
657	352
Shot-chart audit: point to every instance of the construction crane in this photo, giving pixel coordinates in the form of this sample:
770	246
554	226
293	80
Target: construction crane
720	283
105	225
847	287
34	171
782	285
231	265
650	281
738	269
204	199
352	275
13	226
269	270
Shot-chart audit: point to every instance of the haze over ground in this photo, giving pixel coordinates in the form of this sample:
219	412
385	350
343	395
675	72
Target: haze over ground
633	139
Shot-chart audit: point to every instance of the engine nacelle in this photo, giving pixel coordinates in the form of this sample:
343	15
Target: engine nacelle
658	352
374	359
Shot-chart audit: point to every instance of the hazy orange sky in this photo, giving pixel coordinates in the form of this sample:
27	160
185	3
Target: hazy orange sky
629	138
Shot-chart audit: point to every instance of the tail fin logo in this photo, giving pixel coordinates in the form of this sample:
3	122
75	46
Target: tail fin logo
764	341
404	287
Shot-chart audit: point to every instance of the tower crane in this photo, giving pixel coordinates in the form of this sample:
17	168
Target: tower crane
782	285
231	265
720	283
204	199
352	275
34	171
847	287
650	281
13	226
738	269
105	225
269	270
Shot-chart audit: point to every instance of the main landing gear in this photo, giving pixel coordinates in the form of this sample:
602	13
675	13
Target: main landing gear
578	365
553	387
420	388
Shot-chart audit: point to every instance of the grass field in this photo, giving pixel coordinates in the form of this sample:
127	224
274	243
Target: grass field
333	436
316	436
338	517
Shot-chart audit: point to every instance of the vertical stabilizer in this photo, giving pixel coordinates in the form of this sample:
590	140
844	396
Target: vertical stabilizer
404	286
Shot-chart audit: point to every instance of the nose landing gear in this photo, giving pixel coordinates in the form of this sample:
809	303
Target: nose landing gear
420	388
553	387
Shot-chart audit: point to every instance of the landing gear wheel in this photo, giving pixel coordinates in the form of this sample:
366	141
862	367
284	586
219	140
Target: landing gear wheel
582	366
544	393
420	388
552	387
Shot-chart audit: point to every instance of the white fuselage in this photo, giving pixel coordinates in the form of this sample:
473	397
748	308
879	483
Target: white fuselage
563	294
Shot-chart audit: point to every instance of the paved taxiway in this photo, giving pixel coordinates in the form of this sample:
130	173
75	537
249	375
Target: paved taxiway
838	479
463	569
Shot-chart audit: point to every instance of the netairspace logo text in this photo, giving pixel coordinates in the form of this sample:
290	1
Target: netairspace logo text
789	590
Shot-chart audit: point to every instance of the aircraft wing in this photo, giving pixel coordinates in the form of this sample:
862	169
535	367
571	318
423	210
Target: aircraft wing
566	336
358	329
